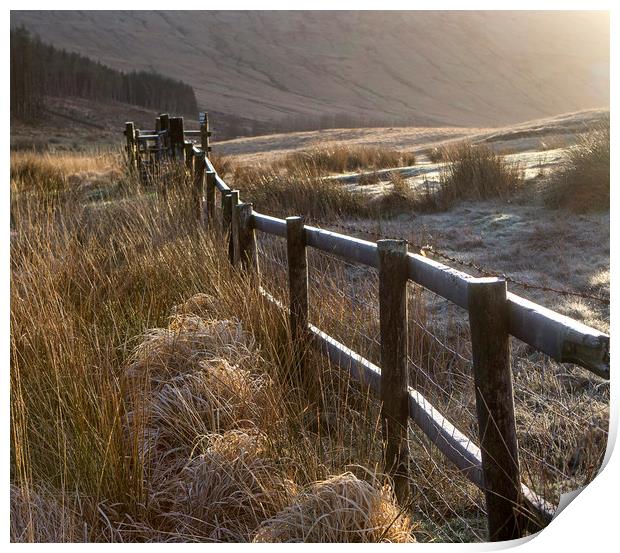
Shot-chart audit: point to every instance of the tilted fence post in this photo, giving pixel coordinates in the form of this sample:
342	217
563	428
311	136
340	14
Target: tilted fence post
488	319
199	171
244	240
209	205
297	262
393	275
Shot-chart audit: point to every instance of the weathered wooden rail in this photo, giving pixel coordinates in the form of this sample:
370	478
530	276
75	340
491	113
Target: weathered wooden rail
494	315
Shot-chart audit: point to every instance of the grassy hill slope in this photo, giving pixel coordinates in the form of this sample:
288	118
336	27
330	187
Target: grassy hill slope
427	68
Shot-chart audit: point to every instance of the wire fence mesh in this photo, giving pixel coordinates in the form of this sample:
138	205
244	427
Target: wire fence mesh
343	300
561	411
273	266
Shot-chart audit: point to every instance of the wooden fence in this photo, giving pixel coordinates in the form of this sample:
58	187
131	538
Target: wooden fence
494	315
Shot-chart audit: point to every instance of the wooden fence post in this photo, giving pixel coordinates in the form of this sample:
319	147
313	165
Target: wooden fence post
189	156
244	238
130	135
205	133
225	212
140	165
234	201
159	145
199	171
488	319
393	274
297	261
136	149
164	119
209	204
177	138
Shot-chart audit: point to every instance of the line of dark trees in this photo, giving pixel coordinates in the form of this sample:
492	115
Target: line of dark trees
39	70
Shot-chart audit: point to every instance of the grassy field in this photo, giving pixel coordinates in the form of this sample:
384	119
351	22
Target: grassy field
151	388
149	405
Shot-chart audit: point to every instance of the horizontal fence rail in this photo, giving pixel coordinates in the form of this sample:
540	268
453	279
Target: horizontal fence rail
494	313
562	338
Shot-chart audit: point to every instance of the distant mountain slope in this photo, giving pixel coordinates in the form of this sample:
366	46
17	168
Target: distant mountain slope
457	68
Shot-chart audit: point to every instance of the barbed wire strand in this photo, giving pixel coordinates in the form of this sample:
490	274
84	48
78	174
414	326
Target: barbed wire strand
424	249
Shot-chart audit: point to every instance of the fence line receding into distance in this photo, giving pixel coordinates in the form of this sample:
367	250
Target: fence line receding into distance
494	313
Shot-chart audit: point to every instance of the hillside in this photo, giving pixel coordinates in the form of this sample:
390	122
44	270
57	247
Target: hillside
535	135
79	124
477	69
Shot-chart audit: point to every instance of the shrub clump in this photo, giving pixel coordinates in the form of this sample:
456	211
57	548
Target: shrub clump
343	158
582	183
476	172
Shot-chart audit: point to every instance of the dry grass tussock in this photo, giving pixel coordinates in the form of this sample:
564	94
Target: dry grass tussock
225	492
342	158
213	437
342	509
284	194
188	340
582	183
113	436
476	172
295	184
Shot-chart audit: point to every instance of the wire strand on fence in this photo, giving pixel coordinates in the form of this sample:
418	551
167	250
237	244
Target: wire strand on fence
432	250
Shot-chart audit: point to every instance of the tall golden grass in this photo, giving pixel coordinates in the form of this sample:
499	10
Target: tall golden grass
295	184
151	389
341	158
150	398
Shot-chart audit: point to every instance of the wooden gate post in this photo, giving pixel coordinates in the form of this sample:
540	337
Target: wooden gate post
244	238
209	204
488	319
130	135
199	171
160	145
205	134
140	167
297	262
164	120
177	138
136	151
189	156
393	275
